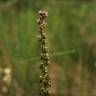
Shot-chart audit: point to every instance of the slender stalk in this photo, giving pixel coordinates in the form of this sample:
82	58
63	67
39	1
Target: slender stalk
44	77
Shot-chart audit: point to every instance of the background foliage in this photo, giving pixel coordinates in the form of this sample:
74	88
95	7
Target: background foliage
71	40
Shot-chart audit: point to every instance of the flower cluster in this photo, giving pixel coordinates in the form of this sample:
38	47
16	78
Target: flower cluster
6	81
44	77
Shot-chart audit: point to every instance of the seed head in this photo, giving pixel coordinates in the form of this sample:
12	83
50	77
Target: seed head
44	77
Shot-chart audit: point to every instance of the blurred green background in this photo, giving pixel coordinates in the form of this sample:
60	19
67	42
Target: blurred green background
71	34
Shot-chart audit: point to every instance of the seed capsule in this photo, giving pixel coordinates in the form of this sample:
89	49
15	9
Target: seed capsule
41	65
46	13
47	58
48	62
42	27
45	70
38	21
40	12
44	41
43	35
44	23
45	49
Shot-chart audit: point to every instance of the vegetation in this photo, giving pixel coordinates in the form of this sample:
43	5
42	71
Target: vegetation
71	40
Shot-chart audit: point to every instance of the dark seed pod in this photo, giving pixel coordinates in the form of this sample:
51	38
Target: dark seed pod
41	66
43	35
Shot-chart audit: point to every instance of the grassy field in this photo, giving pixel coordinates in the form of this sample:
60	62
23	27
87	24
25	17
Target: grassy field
71	40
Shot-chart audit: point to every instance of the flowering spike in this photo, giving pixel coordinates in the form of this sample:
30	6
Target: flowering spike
44	77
